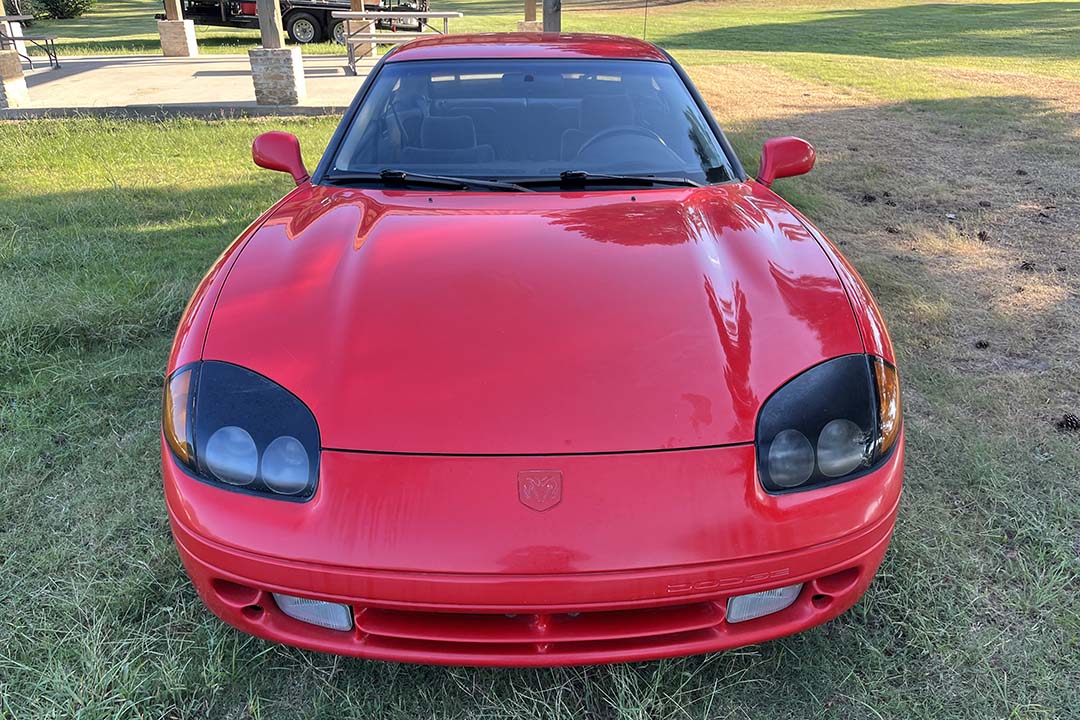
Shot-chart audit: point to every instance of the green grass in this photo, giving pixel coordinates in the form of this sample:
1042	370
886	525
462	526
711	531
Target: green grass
107	225
1031	37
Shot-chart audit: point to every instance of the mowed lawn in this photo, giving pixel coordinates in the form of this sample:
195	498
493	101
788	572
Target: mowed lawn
949	172
997	34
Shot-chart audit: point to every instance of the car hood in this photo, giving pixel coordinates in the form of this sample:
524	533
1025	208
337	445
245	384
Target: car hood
539	323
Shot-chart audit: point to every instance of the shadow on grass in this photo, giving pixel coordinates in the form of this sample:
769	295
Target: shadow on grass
1022	30
111	17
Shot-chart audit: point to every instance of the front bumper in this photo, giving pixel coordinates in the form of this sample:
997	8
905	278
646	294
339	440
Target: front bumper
520	604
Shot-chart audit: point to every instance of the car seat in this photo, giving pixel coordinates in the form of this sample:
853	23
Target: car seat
446	140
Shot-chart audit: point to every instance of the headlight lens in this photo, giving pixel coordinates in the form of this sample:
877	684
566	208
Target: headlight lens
285	466
235	428
232	456
842	447
832	423
791	458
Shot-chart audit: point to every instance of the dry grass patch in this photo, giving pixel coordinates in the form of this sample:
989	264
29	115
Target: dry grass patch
972	200
742	94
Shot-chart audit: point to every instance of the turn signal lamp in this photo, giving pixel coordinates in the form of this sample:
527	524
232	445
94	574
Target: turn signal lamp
176	420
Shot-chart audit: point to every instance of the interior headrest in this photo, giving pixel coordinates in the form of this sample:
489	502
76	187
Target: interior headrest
448	133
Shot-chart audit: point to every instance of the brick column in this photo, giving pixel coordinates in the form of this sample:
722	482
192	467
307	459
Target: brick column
177	38
13	92
278	74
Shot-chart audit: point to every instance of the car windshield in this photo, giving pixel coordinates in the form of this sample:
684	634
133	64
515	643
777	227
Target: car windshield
529	119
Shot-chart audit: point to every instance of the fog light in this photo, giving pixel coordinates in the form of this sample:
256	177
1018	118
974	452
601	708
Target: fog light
317	612
748	607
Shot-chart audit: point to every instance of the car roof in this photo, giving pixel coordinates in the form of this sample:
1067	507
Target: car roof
526	45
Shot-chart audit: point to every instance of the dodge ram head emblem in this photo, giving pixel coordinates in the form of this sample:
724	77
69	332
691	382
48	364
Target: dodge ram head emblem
540	489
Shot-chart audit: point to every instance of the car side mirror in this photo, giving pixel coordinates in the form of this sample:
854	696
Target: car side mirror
783	157
280	151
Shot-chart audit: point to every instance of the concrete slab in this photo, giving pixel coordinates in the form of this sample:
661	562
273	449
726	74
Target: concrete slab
191	85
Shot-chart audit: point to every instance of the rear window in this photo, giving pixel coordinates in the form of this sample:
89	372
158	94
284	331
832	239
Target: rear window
519	118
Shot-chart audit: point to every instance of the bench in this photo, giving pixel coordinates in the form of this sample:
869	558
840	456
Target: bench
47	43
11	35
367	35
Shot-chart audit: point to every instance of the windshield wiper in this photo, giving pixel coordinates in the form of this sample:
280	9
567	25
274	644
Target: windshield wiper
570	178
403	178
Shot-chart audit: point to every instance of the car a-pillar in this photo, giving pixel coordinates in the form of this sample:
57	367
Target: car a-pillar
277	71
177	35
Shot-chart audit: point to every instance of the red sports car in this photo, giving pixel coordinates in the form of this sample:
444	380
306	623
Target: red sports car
530	372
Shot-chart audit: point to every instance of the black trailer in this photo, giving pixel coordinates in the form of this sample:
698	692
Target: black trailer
305	21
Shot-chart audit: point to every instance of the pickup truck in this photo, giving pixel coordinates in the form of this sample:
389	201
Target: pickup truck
306	21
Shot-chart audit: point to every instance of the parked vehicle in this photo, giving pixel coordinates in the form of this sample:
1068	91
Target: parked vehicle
305	21
530	372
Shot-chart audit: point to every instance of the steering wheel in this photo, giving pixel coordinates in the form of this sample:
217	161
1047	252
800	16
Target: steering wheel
617	131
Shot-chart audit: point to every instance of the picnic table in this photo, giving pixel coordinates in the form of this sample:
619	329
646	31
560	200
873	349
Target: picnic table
11	35
367	34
